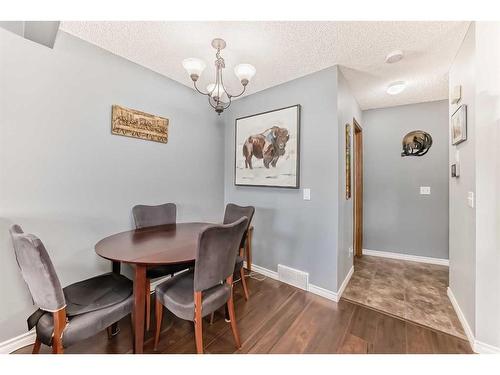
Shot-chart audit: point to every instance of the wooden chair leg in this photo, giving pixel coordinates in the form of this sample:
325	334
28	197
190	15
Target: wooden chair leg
36	346
158	316
248	248
230	307
59	325
198	331
148	303
244	283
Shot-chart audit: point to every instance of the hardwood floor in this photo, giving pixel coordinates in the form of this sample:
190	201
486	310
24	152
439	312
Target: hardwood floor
279	318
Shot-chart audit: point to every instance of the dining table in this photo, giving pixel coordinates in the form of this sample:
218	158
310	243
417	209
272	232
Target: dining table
147	247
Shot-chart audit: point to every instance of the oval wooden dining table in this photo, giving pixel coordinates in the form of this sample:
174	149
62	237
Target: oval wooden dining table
150	246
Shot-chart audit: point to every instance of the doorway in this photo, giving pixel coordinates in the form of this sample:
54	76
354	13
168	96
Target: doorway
358	189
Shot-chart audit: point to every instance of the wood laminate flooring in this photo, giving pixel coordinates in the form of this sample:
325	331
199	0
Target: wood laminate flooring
279	318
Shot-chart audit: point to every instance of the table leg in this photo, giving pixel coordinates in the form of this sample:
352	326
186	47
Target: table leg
139	306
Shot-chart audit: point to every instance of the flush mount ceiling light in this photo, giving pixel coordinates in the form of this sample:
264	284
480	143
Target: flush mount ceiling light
218	97
394	57
396	87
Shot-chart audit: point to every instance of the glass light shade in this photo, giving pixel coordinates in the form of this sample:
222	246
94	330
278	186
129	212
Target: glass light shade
396	88
194	66
217	91
244	72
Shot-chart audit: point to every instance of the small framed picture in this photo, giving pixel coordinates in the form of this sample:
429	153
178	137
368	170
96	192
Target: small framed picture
459	125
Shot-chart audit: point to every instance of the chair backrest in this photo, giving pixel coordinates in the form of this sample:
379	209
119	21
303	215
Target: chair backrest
216	253
37	270
233	212
148	216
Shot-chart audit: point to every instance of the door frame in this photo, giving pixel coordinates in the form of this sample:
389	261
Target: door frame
358	189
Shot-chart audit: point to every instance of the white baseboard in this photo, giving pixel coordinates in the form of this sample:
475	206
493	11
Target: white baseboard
326	293
412	258
263	271
476	345
345	282
461	317
17	342
322	292
483	348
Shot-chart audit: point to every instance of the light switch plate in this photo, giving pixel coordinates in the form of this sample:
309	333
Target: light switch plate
307	194
425	190
470	199
456	94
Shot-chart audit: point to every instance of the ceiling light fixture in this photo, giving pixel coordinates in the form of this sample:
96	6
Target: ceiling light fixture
396	87
394	57
218	97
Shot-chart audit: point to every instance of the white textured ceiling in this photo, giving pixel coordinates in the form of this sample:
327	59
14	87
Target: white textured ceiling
282	51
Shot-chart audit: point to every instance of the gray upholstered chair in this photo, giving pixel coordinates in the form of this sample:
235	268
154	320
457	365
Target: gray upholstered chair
70	314
148	216
232	213
197	293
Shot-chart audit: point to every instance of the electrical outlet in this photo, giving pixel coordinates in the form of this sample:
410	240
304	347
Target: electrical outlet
425	190
351	251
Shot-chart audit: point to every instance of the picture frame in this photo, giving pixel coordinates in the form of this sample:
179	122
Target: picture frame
267	149
347	161
459	125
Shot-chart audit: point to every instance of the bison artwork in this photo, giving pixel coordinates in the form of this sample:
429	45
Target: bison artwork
268	145
267	149
416	143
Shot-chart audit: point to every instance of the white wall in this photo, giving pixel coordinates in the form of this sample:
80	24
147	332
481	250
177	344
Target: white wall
488	183
475	232
64	177
462	238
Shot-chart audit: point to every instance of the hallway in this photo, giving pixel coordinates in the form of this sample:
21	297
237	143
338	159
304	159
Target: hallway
416	292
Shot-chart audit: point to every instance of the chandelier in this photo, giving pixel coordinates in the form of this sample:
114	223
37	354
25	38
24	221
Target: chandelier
218	97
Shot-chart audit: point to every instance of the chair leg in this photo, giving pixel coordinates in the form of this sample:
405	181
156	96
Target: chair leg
158	316
212	318
198	331
248	248
59	325
234	327
244	283
132	330
36	346
148	303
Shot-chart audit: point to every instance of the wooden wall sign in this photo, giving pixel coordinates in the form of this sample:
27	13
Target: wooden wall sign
137	124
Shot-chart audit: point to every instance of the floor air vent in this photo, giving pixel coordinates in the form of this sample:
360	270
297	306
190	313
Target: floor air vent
294	277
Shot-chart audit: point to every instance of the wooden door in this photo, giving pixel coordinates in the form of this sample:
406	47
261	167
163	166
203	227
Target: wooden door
358	189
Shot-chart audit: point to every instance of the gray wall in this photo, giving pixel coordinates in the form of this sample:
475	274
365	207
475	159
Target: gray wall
396	217
348	109
462	217
288	230
64	176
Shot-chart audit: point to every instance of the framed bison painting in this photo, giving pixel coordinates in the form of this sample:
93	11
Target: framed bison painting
267	149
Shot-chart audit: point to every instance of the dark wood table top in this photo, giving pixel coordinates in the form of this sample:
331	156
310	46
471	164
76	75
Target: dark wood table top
162	244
